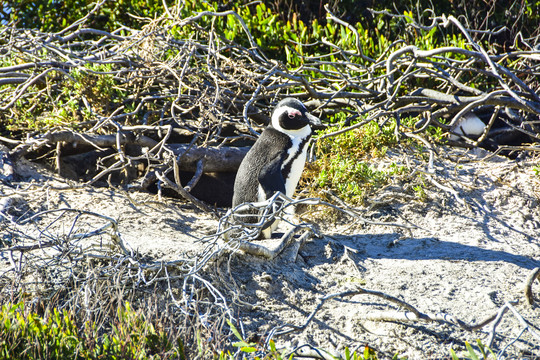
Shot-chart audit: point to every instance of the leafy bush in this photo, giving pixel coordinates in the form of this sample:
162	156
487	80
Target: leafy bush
26	335
342	164
99	88
53	16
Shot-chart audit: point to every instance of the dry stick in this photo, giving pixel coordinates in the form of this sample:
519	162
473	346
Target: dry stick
186	195
29	83
269	74
475	104
482	54
412	315
442	74
23	248
196	177
117	166
129	254
498	317
524	131
360	291
312	352
507	147
216	159
523	322
351	28
99	142
430	148
81	20
527	105
501	352
270	254
488	127
494	68
437	96
417	53
227	226
535	274
346	209
252	42
112	224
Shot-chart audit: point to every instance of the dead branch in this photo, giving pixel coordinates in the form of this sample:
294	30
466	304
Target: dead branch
509	306
185	194
535	274
212	92
69	250
412	315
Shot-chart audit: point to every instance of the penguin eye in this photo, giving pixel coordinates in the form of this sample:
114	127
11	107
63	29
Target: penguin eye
293	113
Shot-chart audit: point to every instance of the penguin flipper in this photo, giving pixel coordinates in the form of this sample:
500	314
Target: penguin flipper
271	180
270	177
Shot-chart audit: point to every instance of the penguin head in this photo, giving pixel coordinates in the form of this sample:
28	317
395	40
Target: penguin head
291	116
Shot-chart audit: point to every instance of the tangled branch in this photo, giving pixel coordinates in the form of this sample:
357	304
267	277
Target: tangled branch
166	90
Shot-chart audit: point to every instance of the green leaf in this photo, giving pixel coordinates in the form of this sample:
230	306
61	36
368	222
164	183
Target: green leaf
472	354
235	331
240	344
248	349
369	353
482	348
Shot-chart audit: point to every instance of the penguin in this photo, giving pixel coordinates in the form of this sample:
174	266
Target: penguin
469	125
509	128
276	161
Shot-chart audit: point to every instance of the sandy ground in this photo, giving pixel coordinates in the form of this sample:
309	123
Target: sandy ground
467	253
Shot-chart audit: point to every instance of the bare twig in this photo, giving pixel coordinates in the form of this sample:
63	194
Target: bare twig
535	274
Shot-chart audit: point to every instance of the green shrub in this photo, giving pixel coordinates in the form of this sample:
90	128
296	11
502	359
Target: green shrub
26	335
342	164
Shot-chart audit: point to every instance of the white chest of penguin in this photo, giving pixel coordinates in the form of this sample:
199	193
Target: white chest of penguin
297	154
294	162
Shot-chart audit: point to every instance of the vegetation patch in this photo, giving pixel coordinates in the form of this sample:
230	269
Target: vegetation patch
57	335
343	161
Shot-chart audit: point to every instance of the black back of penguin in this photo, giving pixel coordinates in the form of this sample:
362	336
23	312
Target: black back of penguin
266	167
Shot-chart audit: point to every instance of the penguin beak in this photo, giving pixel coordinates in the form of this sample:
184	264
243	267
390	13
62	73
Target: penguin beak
315	122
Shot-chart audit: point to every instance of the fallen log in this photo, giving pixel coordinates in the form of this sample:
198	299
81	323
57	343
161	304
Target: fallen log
216	159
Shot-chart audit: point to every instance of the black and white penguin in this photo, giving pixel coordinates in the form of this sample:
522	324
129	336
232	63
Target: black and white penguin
469	125
277	159
508	128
